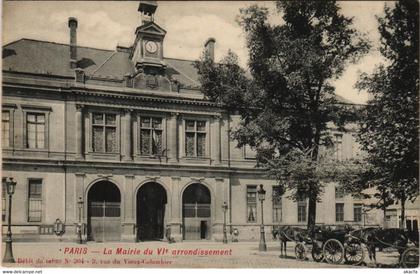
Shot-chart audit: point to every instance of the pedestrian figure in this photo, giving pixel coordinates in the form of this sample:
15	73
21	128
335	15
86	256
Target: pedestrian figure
235	235
170	239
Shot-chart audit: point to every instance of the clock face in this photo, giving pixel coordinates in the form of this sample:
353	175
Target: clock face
151	46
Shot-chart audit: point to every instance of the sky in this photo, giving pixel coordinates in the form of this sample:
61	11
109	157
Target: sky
106	24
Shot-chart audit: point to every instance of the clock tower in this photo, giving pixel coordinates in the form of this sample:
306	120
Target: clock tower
147	51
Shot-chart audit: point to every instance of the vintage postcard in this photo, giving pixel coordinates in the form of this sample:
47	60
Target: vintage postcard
183	134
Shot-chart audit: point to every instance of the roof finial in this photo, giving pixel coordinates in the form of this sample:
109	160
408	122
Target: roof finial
147	9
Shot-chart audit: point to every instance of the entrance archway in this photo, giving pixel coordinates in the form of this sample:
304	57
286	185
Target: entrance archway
151	202
196	212
104	212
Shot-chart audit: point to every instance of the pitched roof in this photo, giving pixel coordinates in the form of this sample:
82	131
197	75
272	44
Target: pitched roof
43	57
183	71
34	56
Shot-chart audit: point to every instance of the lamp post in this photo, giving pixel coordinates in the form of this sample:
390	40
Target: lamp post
80	205
261	197
225	208
8	256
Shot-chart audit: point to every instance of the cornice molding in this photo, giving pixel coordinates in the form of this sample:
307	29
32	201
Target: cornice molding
107	91
132	166
9	105
133	109
35	107
146	98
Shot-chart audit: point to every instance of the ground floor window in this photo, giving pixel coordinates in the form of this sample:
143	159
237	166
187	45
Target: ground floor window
339	212
301	212
35	200
277	204
3	200
412	224
251	204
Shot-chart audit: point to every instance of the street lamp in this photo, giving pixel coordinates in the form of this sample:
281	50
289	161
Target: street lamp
80	205
225	208
261	197
8	256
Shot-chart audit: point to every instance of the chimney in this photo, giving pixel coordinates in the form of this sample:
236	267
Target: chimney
73	42
209	46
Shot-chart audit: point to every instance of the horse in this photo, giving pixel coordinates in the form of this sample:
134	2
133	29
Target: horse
287	234
381	238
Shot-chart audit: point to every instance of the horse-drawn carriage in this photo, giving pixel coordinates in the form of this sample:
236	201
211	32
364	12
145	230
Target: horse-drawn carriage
406	243
326	243
330	244
345	243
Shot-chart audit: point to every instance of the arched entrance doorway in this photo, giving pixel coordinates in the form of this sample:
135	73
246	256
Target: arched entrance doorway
104	223
151	202
196	212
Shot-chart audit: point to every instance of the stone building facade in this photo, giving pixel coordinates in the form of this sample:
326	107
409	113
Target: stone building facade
124	142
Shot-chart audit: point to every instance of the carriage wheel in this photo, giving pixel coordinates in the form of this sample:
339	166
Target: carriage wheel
353	254
317	253
410	258
300	251
333	251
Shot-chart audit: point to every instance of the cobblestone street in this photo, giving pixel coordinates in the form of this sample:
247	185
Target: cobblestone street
162	254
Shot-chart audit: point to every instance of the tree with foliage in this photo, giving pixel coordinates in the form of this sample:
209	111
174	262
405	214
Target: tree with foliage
356	177
288	102
389	130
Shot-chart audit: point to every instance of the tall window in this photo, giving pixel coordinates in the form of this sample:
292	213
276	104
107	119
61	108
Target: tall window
3	200
412	224
339	212
251	204
277	204
104	132
195	138
339	192
5	129
357	212
301	203
35	200
150	136
35	130
338	146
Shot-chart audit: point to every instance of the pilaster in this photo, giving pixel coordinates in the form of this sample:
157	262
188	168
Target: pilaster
128	224
79	132
126	137
215	137
172	138
175	223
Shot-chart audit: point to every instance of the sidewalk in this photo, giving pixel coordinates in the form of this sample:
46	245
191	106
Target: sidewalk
163	254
